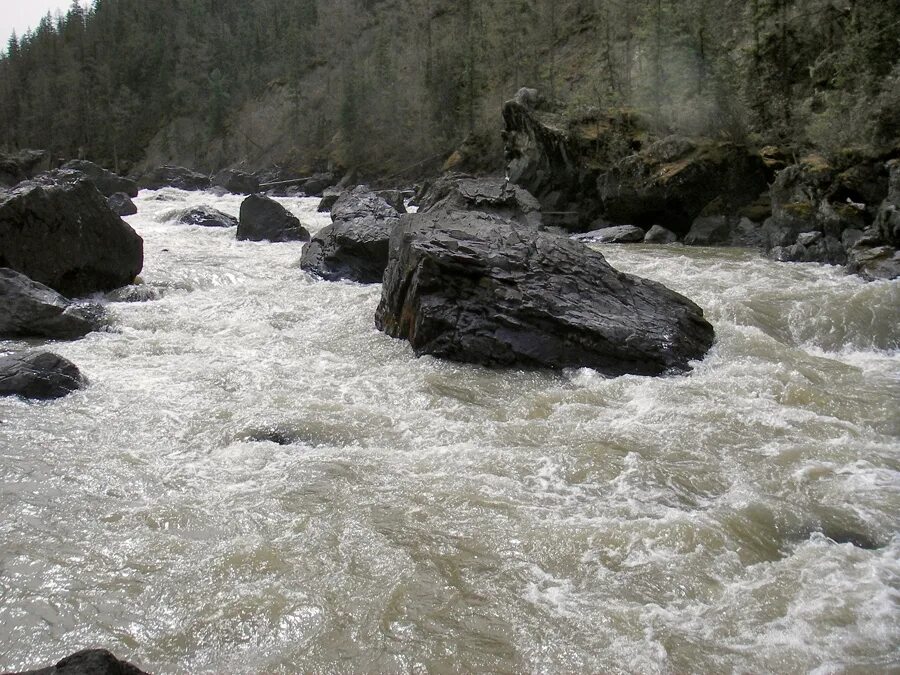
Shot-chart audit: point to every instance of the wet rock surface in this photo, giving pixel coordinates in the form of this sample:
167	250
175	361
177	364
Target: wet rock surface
38	376
476	288
355	246
30	309
264	219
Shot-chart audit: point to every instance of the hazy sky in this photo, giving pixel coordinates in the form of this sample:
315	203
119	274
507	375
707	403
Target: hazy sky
20	15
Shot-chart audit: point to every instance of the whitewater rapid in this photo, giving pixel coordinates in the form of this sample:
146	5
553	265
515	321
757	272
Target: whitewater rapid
429	516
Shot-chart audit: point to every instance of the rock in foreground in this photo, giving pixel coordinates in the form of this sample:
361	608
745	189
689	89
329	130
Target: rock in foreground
355	246
38	375
30	309
264	219
88	662
475	288
64	235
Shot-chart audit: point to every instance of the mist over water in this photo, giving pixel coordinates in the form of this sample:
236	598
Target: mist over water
257	480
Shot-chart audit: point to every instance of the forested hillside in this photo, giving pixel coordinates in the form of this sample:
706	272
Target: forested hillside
386	85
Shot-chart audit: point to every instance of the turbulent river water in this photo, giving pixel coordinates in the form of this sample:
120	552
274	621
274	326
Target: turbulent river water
426	516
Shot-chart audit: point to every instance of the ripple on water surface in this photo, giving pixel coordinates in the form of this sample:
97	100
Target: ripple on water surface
258	481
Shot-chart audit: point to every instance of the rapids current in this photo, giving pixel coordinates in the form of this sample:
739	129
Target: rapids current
256	480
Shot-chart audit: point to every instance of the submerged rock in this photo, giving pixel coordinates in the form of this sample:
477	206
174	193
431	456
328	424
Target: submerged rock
476	288
30	309
64	235
488	195
355	246
176	177
107	182
88	662
264	219
121	204
38	375
206	216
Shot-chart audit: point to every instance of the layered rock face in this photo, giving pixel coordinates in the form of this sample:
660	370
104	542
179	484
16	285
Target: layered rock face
489	195
64	235
355	246
479	289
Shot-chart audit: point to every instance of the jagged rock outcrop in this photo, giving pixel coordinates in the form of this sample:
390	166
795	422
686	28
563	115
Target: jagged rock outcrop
488	195
30	309
557	159
206	216
355	246
237	182
264	219
176	177
39	376
88	662
23	165
476	288
107	182
121	204
64	235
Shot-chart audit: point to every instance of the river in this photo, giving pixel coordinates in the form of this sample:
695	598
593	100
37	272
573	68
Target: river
425	516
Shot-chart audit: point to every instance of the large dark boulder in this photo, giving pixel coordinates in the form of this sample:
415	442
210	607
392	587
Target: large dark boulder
121	204
23	165
30	309
355	246
206	216
488	195
88	662
660	235
38	375
107	182
264	219
329	199
64	235
237	182
476	288
676	180
176	177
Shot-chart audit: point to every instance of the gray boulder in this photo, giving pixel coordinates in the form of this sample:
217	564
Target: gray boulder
121	204
64	235
614	234
476	288
264	219
874	262
30	309
488	195
107	182
660	235
329	198
355	246
38	375
206	216
176	177
236	182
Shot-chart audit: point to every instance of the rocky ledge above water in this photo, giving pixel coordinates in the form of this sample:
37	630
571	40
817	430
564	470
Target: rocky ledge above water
87	662
476	288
